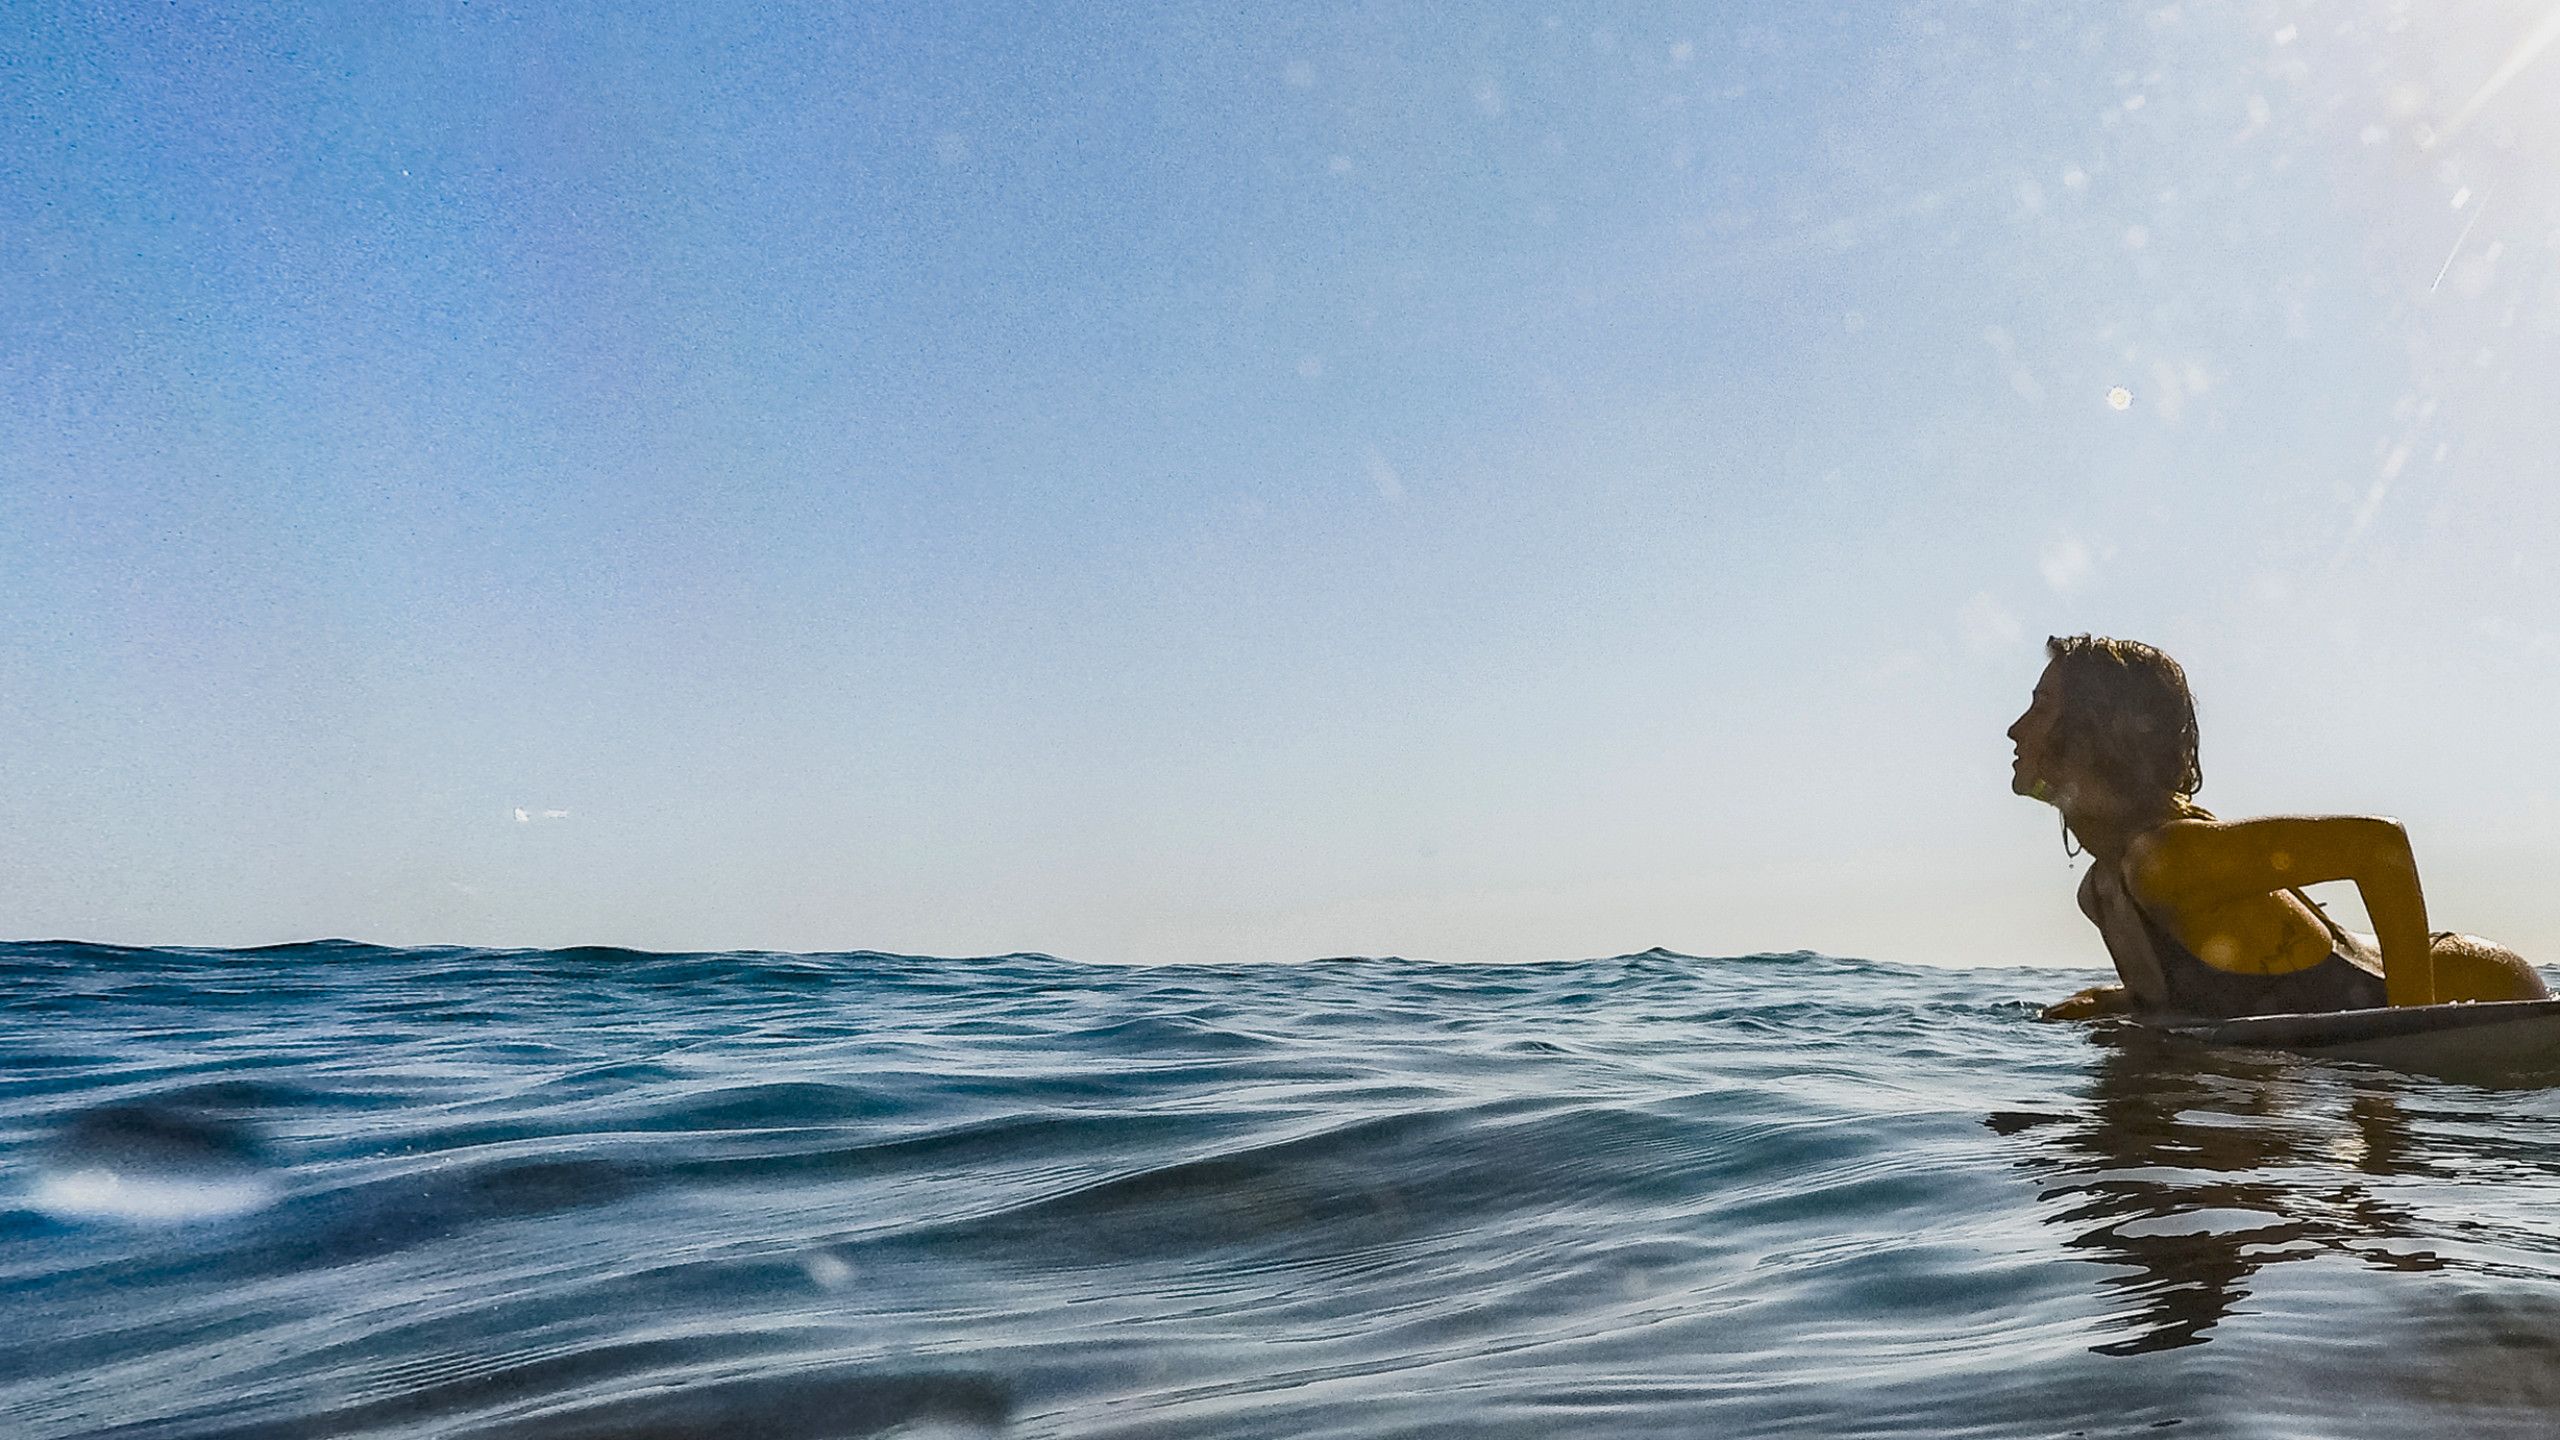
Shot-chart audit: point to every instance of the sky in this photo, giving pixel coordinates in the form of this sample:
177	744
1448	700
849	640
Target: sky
1184	482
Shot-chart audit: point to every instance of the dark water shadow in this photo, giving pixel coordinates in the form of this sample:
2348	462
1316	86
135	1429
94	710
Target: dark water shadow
2186	1170
823	1406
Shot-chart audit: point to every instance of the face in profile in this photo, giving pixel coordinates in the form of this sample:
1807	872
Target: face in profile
2032	772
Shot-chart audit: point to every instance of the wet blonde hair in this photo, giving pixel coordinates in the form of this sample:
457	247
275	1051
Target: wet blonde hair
2127	714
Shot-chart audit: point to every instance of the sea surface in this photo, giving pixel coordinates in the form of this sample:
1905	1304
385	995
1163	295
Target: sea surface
338	1190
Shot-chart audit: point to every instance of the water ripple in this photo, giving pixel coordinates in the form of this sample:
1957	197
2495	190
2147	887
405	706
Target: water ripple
345	1190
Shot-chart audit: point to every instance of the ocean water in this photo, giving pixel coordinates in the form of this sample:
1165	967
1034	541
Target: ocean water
335	1190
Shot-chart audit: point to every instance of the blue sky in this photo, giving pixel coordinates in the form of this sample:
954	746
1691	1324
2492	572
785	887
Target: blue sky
1478	482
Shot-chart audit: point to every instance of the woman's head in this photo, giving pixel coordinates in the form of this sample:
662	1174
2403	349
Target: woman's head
2113	717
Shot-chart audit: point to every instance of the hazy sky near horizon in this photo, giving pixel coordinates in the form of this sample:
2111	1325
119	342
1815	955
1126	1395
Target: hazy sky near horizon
1475	482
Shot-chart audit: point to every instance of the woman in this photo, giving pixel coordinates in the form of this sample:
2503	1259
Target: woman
2205	917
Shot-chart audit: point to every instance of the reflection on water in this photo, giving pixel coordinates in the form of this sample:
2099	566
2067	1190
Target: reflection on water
2192	1169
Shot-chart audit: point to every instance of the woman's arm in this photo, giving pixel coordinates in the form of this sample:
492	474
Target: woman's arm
2207	862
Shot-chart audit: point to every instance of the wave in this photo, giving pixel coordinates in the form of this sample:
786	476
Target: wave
609	1192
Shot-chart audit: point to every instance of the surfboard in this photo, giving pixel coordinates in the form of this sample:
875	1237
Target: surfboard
2466	1037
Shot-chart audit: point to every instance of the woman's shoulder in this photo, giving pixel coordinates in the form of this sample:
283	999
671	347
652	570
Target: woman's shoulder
2207	854
2204	830
2173	839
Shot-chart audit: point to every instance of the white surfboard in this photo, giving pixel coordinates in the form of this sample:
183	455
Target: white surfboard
2485	1037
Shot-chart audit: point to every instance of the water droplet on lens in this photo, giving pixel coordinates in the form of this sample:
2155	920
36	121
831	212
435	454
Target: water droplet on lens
154	1164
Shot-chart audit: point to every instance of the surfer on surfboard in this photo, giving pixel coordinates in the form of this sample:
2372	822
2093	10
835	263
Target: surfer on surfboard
2205	917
